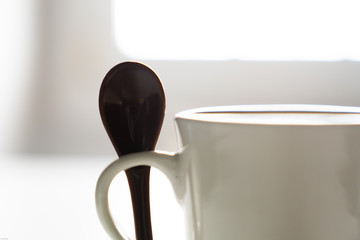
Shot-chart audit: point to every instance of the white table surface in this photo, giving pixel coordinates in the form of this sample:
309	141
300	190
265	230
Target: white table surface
51	197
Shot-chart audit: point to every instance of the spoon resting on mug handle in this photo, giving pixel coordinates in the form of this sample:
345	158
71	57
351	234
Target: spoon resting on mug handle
132	106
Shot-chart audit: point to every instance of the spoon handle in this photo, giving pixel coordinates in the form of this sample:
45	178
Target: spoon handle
132	105
138	178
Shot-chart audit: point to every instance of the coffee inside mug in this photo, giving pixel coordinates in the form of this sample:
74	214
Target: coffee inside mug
276	114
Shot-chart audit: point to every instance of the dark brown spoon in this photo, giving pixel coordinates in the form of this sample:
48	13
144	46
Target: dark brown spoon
132	106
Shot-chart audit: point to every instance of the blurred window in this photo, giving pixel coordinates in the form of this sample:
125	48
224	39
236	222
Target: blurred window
280	30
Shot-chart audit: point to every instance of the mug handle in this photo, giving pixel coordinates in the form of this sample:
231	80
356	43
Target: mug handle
167	163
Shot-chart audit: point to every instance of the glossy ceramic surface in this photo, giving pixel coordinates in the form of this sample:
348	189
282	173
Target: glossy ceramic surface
260	180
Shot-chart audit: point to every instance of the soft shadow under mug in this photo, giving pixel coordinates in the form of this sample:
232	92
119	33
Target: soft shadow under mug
259	172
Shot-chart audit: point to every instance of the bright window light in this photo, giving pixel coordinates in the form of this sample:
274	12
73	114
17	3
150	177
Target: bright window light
280	30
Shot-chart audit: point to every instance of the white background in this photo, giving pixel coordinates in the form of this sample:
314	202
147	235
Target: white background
54	55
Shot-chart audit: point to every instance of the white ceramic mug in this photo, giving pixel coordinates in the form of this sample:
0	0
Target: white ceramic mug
259	172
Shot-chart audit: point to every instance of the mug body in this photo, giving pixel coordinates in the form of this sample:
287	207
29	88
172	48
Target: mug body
271	172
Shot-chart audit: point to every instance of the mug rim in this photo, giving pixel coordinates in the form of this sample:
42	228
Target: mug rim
329	114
